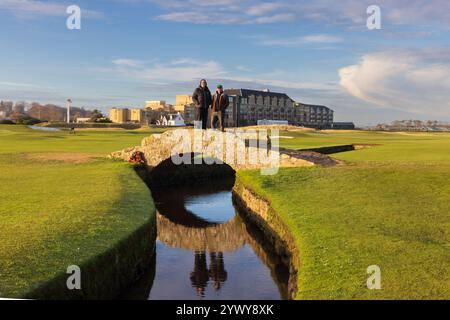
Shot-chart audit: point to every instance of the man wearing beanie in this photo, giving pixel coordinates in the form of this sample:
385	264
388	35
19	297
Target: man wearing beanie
219	105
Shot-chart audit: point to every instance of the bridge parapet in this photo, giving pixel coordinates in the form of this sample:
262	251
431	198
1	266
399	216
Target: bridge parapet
240	149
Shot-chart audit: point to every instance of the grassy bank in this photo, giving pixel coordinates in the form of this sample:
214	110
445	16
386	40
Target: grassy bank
64	204
388	206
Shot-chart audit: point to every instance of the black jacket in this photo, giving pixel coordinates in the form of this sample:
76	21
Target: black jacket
202	97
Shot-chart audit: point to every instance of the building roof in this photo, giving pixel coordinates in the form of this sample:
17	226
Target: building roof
311	105
245	93
248	92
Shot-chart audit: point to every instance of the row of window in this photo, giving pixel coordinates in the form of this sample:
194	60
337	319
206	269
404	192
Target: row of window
274	101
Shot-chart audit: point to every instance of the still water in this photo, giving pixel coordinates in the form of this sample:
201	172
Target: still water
206	250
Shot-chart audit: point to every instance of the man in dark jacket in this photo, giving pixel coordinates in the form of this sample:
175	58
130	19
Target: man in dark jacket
220	103
202	100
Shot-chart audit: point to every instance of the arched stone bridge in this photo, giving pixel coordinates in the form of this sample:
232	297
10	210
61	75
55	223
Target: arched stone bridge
251	149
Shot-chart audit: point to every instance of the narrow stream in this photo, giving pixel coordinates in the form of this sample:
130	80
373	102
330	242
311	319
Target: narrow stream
206	250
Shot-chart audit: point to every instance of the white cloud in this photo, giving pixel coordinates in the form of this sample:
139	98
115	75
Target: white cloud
196	18
187	69
127	62
20	85
264	8
224	11
281	17
349	12
298	41
32	8
321	38
412	81
183	69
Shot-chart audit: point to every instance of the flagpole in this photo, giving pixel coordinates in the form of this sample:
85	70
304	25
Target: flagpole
69	102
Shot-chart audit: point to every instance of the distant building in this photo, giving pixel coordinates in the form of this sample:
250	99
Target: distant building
124	115
137	116
155	105
176	120
249	106
313	116
343	126
272	122
118	115
183	100
83	120
189	114
172	120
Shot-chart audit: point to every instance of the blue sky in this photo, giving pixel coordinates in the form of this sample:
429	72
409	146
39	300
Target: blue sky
322	52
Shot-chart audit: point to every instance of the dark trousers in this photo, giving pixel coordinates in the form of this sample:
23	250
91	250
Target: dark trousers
201	115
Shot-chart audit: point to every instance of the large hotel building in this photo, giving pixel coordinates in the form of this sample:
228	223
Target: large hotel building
249	106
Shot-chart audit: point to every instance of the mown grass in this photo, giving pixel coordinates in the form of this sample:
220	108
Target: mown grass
54	214
395	147
22	139
388	206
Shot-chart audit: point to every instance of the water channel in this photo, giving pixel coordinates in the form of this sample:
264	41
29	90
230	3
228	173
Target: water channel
207	249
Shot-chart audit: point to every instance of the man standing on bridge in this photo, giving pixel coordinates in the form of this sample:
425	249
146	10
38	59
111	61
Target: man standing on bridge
202	100
219	105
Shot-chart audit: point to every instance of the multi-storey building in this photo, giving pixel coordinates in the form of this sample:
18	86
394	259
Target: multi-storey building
313	116
155	105
118	115
183	100
137	115
248	106
123	115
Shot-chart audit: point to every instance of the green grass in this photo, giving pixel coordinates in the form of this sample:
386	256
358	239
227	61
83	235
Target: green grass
54	214
22	139
388	206
394	147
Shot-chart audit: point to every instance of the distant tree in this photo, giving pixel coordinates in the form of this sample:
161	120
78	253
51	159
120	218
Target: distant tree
6	121
19	107
6	107
96	115
27	120
104	120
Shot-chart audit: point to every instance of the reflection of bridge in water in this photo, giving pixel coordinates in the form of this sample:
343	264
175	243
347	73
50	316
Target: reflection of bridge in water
180	228
225	237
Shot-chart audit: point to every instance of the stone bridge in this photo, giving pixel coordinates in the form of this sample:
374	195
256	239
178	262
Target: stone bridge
250	149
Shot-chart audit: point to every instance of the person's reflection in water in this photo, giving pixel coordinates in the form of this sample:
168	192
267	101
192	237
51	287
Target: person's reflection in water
199	277
217	272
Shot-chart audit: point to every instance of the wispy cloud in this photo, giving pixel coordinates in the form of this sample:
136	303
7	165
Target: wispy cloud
187	69
264	8
350	12
321	38
33	8
182	69
293	42
127	63
224	11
